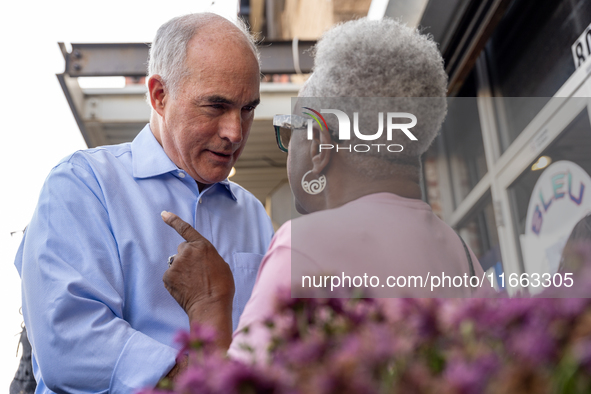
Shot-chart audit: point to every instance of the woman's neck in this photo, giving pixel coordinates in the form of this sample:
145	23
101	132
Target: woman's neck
346	185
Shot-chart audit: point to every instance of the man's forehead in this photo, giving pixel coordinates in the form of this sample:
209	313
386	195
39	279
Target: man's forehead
221	66
224	51
217	32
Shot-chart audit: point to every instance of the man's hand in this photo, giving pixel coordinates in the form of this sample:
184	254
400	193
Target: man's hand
201	281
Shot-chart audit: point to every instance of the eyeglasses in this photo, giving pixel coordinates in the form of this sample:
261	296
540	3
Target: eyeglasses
284	125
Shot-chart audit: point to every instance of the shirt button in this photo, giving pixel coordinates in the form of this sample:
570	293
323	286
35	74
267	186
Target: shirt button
181	174
200	201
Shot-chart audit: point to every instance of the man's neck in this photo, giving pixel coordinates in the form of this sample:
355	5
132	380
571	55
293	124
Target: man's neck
203	186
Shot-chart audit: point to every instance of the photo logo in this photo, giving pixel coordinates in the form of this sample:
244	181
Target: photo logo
345	129
316	119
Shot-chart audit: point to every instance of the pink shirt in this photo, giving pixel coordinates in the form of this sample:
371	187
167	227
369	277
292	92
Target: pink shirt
381	235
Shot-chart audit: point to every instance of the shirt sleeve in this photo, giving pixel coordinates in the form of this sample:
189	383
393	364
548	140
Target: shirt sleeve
73	293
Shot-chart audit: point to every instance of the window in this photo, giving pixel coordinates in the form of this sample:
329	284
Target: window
463	144
479	231
573	144
529	56
462	138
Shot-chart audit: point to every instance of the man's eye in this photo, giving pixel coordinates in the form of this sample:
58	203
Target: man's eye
248	108
217	106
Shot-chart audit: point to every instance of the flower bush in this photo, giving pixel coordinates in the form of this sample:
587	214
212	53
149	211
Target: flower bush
482	345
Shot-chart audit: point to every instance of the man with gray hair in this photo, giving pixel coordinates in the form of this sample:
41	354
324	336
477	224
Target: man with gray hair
93	257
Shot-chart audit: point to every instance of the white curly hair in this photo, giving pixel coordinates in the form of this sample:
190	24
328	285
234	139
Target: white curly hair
385	58
168	51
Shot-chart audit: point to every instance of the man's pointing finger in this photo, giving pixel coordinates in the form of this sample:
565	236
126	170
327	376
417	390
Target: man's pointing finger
183	228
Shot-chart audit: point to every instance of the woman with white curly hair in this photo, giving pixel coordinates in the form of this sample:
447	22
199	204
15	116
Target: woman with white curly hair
366	224
366	216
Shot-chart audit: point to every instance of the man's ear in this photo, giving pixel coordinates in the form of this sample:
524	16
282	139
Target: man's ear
321	148
158	94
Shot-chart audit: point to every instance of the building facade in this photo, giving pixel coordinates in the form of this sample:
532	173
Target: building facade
519	106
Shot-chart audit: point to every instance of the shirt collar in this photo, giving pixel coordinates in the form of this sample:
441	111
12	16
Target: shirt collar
149	159
228	186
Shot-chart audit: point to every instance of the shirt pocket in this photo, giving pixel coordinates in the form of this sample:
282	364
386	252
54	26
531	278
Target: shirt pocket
245	267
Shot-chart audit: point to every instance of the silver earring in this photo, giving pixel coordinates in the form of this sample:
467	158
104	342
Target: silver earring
315	186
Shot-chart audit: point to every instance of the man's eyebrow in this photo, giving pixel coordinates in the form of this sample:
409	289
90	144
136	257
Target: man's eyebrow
254	103
216	99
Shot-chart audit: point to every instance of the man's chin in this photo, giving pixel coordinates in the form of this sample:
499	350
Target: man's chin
214	172
215	178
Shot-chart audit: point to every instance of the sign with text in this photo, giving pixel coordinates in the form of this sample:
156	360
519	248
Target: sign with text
558	201
581	48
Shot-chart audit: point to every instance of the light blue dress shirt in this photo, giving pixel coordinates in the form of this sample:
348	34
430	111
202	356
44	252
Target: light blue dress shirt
92	259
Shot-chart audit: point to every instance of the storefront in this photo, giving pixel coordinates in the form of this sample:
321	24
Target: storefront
519	105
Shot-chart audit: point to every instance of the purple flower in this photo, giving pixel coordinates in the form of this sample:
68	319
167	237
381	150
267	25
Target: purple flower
284	301
201	337
193	380
533	344
183	338
471	378
152	391
459	346
339	382
582	353
572	307
305	351
236	377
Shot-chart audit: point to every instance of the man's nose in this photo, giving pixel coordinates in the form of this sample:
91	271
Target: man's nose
231	128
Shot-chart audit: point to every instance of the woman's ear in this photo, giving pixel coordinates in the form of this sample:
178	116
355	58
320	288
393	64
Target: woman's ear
321	148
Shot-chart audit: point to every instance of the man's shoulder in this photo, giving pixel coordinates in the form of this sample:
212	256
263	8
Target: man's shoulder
89	158
242	194
252	207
